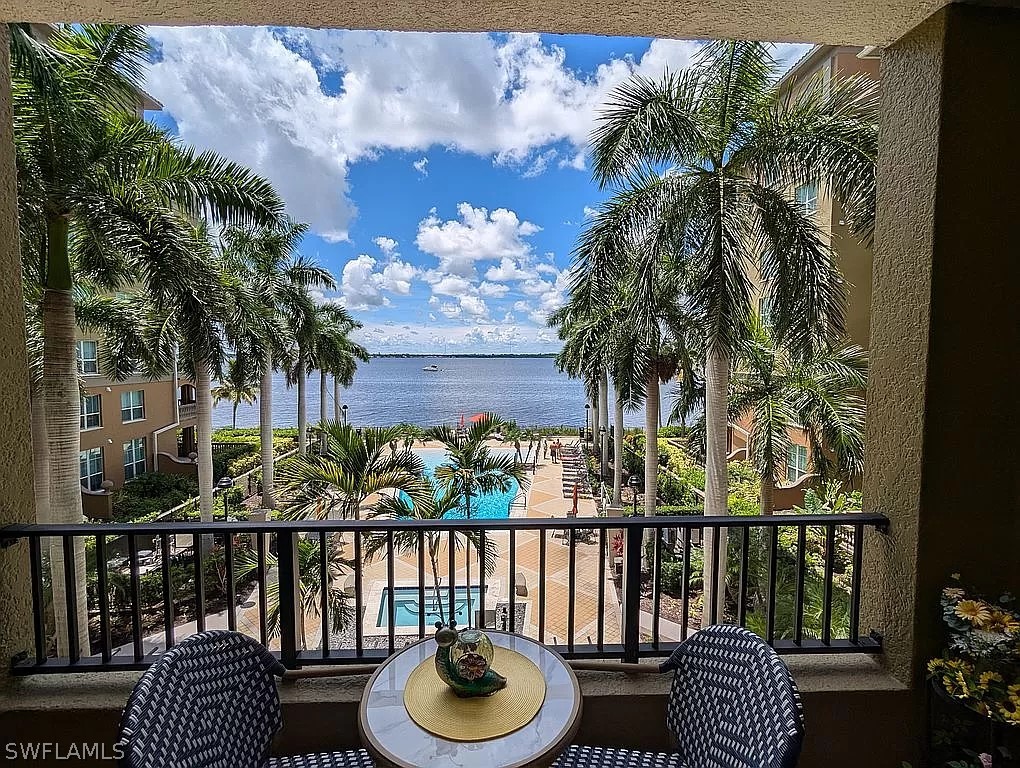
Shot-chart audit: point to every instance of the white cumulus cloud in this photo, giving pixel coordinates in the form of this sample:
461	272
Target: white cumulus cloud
475	235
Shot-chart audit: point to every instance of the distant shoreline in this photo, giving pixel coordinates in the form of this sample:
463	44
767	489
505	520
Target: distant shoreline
543	355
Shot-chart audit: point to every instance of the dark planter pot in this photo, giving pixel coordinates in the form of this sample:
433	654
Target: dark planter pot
958	733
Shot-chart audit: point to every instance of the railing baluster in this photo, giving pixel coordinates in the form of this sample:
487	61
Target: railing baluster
481	577
359	638
745	549
197	544
103	590
830	558
421	584
136	599
324	589
685	586
71	598
287	597
260	553
541	586
632	540
168	593
228	567
600	634
717	587
798	617
855	584
656	584
571	588
391	598
512	618
451	546
770	631
38	618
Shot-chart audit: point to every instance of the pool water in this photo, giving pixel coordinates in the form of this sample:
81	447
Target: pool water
407	608
485	505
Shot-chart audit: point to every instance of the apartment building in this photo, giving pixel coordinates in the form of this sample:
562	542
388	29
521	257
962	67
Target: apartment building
818	68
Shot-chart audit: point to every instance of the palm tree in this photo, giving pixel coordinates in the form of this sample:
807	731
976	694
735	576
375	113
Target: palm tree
353	468
704	160
99	191
309	558
820	394
238	386
445	502
471	468
335	353
266	256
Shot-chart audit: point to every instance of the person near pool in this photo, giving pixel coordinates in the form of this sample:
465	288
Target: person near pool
552	451
545	448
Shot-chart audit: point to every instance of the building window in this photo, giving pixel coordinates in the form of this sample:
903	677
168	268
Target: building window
796	463
90	464
91	406
134	458
88	357
807	197
132	405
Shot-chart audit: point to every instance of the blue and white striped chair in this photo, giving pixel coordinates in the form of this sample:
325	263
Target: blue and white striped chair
733	704
211	701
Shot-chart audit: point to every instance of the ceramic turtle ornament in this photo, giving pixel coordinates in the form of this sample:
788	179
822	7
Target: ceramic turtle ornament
464	659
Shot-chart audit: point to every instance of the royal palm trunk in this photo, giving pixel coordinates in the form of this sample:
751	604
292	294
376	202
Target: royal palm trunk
336	399
62	406
617	451
266	431
203	423
717	374
603	437
302	410
651	441
323	407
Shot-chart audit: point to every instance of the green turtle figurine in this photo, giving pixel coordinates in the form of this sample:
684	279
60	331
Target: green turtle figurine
464	659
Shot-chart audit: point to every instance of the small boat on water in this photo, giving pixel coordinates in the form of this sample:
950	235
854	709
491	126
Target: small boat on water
431	368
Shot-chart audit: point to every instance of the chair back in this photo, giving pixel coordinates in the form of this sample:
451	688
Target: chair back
210	701
733	703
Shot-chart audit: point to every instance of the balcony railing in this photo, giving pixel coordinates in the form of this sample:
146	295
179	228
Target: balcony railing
613	588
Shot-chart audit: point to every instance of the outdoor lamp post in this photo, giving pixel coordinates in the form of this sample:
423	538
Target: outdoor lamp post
343	410
587	417
633	482
225	484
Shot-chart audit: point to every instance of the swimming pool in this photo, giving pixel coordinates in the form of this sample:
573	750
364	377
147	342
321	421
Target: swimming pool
486	505
407	608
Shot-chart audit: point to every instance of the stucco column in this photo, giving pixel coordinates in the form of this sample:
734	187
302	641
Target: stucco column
942	430
16	486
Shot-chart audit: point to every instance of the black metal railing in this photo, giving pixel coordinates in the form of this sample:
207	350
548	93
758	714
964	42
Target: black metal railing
615	588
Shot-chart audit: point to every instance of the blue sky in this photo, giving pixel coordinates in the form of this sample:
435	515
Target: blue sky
444	176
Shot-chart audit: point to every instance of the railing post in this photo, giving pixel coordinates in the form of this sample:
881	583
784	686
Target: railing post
633	537
287	573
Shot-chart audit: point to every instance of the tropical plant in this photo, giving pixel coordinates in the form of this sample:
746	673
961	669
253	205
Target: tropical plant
335	354
820	392
102	196
444	502
309	560
266	257
353	468
411	432
830	498
238	386
704	161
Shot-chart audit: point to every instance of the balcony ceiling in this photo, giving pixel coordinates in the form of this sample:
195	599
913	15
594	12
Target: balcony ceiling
852	22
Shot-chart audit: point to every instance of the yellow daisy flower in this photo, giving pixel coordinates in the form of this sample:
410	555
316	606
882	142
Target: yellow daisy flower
974	611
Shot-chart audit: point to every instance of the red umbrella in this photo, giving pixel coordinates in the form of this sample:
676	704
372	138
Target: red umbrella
477	417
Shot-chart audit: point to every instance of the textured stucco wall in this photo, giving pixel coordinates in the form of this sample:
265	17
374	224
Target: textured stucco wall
945	332
853	22
17	503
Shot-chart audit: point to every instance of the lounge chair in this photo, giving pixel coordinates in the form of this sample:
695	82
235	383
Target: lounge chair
212	701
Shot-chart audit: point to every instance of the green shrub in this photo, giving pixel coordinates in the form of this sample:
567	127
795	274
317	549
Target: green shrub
150	494
674	430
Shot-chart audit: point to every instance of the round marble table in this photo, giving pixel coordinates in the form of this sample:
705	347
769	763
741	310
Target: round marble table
395	740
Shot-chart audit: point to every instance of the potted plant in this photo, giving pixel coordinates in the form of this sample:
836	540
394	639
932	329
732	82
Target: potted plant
976	681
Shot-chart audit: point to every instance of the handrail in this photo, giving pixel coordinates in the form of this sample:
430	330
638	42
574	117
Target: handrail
12	533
